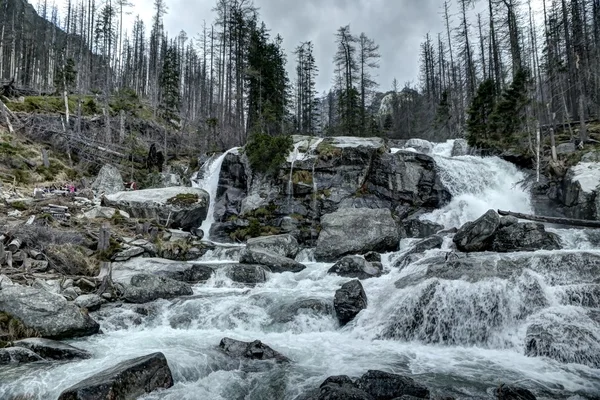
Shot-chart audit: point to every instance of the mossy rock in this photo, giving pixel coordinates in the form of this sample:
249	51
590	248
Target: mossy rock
12	329
184	199
302	176
326	150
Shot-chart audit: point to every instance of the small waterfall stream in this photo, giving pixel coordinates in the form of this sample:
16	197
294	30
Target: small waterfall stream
460	334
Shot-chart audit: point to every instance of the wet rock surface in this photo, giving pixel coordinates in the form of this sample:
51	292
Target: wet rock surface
349	300
255	350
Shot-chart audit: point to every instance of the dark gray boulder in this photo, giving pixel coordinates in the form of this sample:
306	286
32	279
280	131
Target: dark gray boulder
356	231
52	349
373	256
432	242
349	300
18	355
511	392
255	350
527	236
144	288
249	275
477	235
127	380
177	270
47	313
193	273
355	267
341	388
108	181
274	262
386	386
413	227
282	245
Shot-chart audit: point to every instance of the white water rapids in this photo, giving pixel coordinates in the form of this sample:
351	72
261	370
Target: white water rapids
461	363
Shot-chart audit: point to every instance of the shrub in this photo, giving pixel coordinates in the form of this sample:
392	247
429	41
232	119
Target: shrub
183	199
266	153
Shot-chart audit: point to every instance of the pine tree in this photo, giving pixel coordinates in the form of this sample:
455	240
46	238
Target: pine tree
169	82
482	106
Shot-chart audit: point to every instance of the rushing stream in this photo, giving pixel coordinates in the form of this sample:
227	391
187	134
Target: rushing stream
470	339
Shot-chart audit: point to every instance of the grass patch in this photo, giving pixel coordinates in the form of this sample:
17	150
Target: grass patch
326	150
13	329
302	176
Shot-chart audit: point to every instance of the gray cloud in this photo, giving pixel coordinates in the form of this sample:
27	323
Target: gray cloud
398	26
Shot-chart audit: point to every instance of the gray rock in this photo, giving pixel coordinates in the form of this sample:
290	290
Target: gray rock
340	388
49	314
127	380
460	148
566	148
355	267
477	235
108	181
524	237
358	230
5	281
71	293
90	302
274	262
592	156
511	392
508	220
420	145
247	274
193	274
128	253
283	245
144	288
579	191
417	228
103	212
17	355
349	300
52	349
255	350
384	386
373	256
154	204
177	270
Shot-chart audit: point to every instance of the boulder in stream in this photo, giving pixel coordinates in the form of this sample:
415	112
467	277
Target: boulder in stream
52	349
255	350
18	355
528	236
127	380
356	267
477	235
511	392
386	386
245	274
349	300
48	314
274	262
144	288
356	231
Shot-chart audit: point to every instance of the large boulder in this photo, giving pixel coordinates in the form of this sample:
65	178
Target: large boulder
274	262
288	312
245	274
47	313
340	388
144	288
127	380
356	230
385	386
477	235
355	267
511	392
108	181
182	207
255	350
349	300
524	237
460	148
580	191
52	349
282	245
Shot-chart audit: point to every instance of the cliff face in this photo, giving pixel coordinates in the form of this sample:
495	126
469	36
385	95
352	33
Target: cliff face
327	175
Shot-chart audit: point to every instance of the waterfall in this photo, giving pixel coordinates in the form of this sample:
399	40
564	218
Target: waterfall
292	159
211	170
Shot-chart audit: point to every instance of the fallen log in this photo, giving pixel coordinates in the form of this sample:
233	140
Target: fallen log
553	220
14	245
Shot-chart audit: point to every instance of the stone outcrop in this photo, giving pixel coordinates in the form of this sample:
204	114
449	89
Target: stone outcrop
47	313
580	191
283	245
349	300
129	379
186	212
52	349
255	350
351	231
477	235
108	181
143	288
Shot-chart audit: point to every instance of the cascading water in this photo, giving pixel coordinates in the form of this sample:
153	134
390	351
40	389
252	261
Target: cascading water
477	185
459	324
210	182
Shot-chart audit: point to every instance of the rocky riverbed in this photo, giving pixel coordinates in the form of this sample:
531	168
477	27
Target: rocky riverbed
383	274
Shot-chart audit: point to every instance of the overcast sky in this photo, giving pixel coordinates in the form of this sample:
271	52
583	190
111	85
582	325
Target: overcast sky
398	26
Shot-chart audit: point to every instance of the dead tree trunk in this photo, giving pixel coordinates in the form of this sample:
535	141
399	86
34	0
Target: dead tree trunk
553	220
